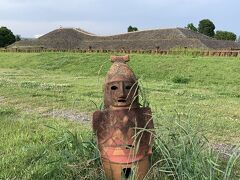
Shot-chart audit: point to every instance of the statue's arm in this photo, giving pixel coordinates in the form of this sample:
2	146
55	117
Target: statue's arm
97	118
147	113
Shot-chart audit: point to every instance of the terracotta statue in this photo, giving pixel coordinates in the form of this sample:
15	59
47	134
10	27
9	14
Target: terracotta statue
123	128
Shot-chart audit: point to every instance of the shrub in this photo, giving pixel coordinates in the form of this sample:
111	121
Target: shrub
180	79
225	35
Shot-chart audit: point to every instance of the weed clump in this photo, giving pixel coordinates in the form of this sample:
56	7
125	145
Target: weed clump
7	111
75	157
180	79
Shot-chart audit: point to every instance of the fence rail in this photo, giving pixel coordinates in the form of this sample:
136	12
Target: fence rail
226	53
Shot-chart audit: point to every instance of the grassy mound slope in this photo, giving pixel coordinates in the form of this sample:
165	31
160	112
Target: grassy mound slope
190	97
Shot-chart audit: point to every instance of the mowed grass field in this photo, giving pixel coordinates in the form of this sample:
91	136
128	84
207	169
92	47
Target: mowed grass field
46	101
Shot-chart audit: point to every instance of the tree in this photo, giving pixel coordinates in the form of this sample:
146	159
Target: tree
191	27
238	40
225	35
17	37
135	29
131	29
206	27
6	37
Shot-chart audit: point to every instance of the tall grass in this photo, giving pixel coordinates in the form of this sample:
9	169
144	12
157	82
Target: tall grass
178	153
78	157
181	153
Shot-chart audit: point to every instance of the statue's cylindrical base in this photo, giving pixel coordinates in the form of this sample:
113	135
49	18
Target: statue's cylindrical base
118	171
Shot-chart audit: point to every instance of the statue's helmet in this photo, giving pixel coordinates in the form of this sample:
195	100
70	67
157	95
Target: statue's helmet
120	87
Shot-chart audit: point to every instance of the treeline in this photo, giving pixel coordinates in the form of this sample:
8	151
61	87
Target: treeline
207	28
132	29
7	37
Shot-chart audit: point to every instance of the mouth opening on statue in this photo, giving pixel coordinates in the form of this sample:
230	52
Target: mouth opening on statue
122	100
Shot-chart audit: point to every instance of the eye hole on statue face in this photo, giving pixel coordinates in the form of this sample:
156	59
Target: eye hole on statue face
128	87
114	88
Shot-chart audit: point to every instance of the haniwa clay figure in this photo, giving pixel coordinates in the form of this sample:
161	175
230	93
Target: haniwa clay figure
123	128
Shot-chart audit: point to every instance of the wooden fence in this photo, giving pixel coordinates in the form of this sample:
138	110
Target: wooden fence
226	53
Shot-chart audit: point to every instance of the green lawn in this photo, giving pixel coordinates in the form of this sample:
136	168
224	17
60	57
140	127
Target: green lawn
204	92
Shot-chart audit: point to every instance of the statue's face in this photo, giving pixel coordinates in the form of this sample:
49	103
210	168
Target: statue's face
121	93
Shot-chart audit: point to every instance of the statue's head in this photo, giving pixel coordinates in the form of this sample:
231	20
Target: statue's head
120	87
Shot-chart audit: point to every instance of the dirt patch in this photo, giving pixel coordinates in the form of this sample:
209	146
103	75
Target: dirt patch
70	115
225	150
2	99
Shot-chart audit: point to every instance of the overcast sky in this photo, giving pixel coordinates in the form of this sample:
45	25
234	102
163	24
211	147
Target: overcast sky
29	18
